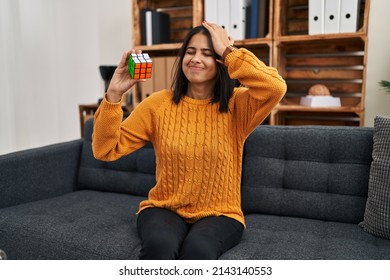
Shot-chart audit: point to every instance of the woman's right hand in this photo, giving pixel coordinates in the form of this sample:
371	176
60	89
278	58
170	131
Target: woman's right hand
121	82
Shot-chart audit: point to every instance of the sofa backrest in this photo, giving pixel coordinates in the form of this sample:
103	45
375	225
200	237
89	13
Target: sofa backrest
133	174
307	171
301	171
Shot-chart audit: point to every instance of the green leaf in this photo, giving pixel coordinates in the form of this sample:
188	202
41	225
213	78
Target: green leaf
385	85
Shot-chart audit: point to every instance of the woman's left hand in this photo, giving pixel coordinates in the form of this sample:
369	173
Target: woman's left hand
121	81
219	37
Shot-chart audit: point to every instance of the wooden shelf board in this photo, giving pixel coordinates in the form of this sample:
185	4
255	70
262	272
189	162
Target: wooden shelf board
159	47
301	108
253	42
320	37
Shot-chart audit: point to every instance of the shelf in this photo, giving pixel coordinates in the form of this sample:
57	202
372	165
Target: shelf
253	42
337	37
291	17
184	15
160	49
292	108
337	61
308	114
87	111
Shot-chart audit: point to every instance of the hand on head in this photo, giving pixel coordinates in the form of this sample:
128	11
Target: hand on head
122	81
219	36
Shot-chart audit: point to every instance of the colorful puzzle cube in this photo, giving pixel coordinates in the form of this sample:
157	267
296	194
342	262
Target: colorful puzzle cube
140	66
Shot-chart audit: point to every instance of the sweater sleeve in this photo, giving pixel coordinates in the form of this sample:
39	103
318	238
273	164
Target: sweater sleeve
113	138
262	90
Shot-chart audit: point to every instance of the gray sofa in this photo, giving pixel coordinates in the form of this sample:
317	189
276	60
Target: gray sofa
304	192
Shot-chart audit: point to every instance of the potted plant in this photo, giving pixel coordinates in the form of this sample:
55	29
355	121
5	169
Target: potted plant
385	85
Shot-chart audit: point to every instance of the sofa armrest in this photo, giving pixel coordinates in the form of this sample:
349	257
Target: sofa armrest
39	173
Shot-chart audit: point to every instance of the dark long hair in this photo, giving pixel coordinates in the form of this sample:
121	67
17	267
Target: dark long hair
223	89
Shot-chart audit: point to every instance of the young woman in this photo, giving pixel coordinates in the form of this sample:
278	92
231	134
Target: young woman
198	129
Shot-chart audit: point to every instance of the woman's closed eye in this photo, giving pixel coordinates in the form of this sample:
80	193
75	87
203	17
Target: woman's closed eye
205	52
190	52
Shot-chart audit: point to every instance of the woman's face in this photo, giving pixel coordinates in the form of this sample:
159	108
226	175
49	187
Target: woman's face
199	65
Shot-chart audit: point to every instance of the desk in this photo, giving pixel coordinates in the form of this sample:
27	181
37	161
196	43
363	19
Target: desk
303	115
87	111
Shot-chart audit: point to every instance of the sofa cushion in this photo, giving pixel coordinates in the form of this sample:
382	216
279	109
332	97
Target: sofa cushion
270	237
377	214
311	172
133	174
79	225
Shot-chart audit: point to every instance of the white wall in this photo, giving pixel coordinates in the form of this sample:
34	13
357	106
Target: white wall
378	61
50	51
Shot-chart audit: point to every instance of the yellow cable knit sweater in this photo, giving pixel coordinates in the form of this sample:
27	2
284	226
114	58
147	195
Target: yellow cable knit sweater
198	149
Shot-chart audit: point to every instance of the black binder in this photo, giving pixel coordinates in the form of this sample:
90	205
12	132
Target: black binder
154	27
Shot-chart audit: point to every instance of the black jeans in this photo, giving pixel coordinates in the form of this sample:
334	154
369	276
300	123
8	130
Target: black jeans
165	235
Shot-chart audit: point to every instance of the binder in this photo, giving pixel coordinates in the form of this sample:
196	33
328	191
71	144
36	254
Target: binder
146	88
332	16
159	73
154	27
248	22
237	21
210	10
161	76
223	14
252	19
316	16
349	10
263	21
148	28
169	69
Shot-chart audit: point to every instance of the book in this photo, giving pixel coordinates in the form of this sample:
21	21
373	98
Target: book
263	24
